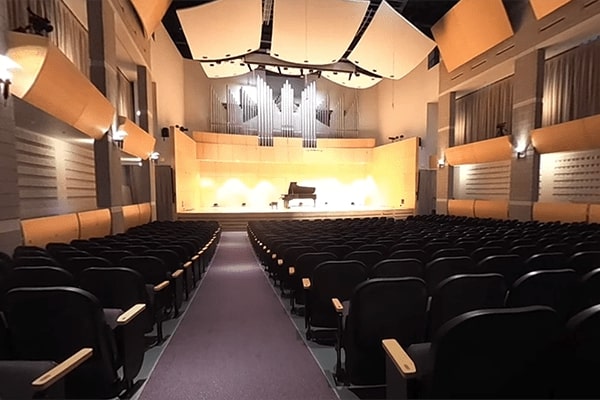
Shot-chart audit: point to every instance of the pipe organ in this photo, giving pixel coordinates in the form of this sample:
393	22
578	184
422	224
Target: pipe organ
269	112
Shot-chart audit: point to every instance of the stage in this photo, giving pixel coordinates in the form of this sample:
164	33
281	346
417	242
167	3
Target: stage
236	218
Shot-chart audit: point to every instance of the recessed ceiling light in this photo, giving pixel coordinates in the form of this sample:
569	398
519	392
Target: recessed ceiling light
227	55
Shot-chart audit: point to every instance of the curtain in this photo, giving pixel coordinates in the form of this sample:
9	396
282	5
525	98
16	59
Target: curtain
478	113
69	35
572	84
125	96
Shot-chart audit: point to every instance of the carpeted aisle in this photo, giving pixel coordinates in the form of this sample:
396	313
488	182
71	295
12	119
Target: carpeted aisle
236	340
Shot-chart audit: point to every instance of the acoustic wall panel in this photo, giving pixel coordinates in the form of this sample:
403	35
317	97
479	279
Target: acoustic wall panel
49	81
151	13
541	8
316	32
490	181
469	29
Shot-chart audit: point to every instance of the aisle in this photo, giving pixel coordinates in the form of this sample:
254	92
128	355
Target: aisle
236	341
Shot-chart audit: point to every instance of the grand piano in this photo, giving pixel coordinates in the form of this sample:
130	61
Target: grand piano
296	191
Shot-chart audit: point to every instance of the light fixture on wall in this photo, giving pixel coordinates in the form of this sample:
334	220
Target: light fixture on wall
6	65
441	163
154	156
118	136
521	148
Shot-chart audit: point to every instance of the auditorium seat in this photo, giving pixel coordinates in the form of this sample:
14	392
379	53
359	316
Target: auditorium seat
77	264
462	293
39	276
584	261
544	261
303	268
510	266
76	320
367	257
499	353
378	309
441	268
398	268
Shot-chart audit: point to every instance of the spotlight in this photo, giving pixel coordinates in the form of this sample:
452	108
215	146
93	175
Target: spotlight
215	204
243	204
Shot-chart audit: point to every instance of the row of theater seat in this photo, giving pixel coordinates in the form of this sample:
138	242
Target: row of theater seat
103	295
440	280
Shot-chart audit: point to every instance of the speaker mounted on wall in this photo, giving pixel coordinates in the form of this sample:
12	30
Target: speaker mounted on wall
164	132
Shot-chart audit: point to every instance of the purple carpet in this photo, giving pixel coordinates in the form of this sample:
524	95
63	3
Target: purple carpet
236	340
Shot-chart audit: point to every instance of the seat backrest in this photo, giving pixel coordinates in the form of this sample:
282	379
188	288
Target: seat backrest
115	255
581	352
379	309
414	253
35	261
340	250
77	264
441	268
449	252
114	287
552	288
398	268
54	323
510	266
153	269
368	257
585	261
307	262
496	353
589	291
41	276
459	294
524	250
485	251
167	255
544	261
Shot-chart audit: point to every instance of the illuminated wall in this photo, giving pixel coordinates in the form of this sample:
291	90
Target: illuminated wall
394	170
233	169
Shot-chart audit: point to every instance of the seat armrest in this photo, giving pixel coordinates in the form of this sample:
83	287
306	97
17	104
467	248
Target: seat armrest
187	264
306	283
161	286
130	314
291	271
61	370
195	257
398	356
274	256
337	304
177	274
280	262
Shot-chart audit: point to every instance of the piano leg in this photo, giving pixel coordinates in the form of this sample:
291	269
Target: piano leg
286	204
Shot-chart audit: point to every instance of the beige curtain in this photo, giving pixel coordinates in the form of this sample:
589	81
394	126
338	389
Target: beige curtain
572	84
69	35
478	113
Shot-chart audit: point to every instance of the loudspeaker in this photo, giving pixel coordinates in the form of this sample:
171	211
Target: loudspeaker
164	132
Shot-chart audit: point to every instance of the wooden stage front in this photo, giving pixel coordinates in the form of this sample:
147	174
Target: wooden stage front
236	219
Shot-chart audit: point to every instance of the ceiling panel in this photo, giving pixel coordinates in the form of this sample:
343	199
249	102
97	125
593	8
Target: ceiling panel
227	68
391	46
316	32
150	12
222	29
360	81
541	8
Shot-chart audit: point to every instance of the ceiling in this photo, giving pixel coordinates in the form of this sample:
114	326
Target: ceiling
421	13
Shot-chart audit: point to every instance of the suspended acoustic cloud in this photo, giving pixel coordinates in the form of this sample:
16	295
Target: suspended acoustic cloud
315	32
352	80
222	29
391	46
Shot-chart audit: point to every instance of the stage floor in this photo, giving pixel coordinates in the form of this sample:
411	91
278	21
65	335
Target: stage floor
304	208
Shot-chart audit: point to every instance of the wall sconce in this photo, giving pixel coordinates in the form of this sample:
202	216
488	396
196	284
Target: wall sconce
441	163
154	156
6	65
118	137
521	149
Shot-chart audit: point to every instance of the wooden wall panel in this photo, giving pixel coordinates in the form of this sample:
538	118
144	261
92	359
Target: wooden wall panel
484	151
463	208
563	212
594	213
58	228
131	216
95	223
577	135
497	209
145	213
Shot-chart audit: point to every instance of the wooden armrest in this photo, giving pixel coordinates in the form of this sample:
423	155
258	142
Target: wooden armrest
306	283
187	264
401	360
58	372
280	262
274	256
195	257
264	247
201	251
177	273
291	271
130	314
161	286
337	304
268	251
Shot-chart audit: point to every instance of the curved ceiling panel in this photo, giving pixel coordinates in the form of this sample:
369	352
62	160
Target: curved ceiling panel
151	13
315	32
222	28
227	68
360	81
469	29
391	46
49	81
541	8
